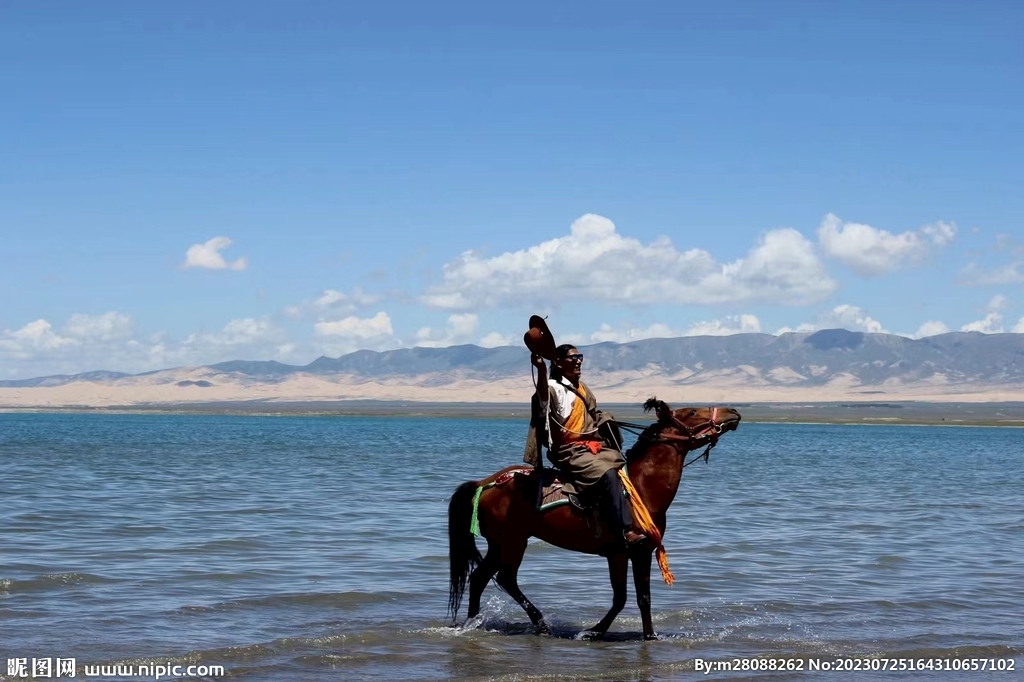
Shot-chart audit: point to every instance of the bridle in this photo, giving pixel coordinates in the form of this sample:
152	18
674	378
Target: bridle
711	429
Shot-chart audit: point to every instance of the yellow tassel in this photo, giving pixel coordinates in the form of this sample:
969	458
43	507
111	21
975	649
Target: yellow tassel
646	523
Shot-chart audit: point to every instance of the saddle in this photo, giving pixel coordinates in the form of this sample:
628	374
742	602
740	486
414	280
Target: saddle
552	490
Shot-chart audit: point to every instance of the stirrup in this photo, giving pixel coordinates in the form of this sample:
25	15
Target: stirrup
633	538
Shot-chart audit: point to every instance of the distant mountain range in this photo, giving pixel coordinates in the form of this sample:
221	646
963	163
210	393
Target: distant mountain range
833	364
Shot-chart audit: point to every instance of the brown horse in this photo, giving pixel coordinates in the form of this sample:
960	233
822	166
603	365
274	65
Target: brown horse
508	517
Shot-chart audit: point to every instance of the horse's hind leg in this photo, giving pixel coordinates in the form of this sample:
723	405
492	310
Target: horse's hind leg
511	558
479	578
618	571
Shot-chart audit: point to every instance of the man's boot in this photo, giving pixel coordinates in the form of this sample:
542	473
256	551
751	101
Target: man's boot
618	516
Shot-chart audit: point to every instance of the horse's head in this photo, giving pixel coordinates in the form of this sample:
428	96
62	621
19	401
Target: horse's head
700	425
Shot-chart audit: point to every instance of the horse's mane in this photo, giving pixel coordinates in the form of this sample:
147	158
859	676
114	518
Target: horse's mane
660	408
648	435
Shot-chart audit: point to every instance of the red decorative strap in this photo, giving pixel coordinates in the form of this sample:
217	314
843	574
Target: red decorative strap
507	476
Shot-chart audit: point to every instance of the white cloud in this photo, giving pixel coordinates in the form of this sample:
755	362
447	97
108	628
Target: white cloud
738	324
800	329
332	299
841	317
332	304
655	331
338	337
461	328
930	328
975	275
990	324
84	342
33	337
356	327
853	318
240	339
106	327
939	233
734	324
208	256
240	332
81	333
108	341
871	251
1019	327
596	263
1008	243
494	339
998	302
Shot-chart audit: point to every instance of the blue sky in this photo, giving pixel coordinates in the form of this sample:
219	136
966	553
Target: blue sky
184	183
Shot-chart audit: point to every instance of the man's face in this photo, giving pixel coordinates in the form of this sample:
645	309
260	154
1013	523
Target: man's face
572	364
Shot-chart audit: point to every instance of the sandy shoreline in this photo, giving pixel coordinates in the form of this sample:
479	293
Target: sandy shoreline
901	413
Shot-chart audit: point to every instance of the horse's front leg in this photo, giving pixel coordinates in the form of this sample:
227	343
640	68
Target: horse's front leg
642	584
618	568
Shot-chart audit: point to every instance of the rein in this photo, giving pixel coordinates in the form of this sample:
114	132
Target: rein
712	429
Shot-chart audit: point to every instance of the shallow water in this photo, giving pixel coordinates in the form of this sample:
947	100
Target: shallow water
309	548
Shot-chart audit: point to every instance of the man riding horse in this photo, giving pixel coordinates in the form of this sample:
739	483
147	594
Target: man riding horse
566	420
502	508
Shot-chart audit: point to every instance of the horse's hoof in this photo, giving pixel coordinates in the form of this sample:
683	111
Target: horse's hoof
589	636
543	629
472	623
653	637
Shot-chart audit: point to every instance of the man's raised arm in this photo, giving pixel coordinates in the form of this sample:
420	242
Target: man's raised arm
542	377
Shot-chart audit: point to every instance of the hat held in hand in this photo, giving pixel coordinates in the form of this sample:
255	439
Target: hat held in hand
539	339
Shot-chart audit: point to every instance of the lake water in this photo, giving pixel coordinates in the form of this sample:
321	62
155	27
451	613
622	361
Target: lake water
315	548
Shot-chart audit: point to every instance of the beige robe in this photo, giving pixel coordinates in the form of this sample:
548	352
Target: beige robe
578	463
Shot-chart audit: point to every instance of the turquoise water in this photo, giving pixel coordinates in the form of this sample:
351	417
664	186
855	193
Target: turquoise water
315	548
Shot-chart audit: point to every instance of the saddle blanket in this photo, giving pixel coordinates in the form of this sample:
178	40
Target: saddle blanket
556	492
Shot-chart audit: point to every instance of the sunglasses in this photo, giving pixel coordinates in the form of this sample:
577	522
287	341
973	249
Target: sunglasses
578	359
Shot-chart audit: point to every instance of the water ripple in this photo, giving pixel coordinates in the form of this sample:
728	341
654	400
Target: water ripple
315	547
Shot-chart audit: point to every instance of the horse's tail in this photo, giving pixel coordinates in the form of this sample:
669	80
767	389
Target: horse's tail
463	555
